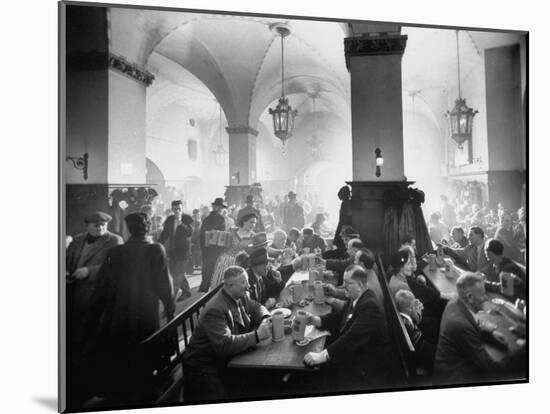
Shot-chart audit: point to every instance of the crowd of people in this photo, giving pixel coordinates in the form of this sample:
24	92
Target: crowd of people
114	289
450	224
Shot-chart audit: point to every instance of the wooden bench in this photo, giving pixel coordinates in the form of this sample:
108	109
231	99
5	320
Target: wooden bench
160	355
397	330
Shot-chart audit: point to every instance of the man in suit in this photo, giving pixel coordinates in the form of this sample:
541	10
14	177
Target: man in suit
312	241
230	324
250	209
176	238
472	257
357	357
338	266
266	284
214	221
293	213
84	256
461	356
171	224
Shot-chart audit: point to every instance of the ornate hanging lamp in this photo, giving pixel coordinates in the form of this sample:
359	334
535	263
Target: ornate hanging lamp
219	152
461	117
283	114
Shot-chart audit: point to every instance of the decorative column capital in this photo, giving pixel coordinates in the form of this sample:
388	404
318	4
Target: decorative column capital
130	69
374	45
242	129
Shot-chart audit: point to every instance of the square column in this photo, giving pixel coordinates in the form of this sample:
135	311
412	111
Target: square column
242	155
374	63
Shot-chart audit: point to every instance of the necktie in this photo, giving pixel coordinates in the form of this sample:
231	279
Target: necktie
349	313
242	317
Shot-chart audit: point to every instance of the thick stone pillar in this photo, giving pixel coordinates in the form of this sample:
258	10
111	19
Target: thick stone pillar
505	126
242	162
374	63
127	129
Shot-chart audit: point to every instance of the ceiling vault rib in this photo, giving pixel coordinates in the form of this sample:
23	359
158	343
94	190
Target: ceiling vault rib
268	47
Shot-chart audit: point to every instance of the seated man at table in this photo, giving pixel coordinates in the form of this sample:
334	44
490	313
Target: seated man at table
357	357
461	356
230	324
472	257
459	240
338	266
346	234
312	241
494	250
364	258
266	283
410	310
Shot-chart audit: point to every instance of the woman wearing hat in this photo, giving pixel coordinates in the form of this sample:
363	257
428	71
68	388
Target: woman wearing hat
242	238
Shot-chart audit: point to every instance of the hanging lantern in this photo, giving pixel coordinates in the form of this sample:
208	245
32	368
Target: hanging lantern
461	117
283	115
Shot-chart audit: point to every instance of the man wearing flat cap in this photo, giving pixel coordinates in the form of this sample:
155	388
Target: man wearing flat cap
210	254
85	255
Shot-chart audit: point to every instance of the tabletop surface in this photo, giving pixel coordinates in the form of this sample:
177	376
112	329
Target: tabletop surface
285	354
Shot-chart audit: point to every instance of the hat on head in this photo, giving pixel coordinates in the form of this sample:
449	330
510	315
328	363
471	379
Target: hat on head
258	240
176	203
97	217
258	257
186	219
219	202
249	199
196	210
399	259
136	218
291	195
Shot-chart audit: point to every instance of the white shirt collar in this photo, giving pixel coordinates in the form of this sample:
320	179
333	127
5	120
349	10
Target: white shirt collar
407	317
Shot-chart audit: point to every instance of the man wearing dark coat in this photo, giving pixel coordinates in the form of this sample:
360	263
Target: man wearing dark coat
176	238
125	307
84	257
293	213
357	357
461	356
230	324
214	221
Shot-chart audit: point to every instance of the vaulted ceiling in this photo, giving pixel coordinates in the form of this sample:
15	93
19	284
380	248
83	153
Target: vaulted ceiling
200	60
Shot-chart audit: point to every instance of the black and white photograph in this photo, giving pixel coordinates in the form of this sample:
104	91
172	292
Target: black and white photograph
261	206
274	207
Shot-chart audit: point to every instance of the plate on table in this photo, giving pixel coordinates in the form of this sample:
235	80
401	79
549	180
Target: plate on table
285	311
303	342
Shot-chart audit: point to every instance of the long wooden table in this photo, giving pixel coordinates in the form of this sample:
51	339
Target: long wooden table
284	355
493	313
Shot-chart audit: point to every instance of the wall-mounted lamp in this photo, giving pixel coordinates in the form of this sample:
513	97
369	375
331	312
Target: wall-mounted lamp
80	163
237	177
379	161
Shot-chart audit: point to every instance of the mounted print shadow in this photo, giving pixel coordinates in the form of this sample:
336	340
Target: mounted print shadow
259	206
